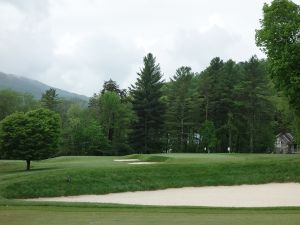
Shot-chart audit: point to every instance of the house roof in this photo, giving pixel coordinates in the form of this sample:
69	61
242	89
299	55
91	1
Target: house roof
286	137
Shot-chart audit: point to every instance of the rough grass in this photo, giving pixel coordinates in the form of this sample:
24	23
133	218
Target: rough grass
99	175
53	215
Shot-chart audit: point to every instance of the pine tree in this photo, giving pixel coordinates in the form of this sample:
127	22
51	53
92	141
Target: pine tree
148	107
254	106
179	102
50	99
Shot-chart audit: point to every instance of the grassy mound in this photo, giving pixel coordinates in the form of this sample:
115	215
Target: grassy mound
99	175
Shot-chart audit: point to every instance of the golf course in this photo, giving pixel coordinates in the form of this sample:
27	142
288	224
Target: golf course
72	176
149	112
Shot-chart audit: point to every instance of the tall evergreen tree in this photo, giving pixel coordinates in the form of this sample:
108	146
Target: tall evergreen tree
50	99
179	103
254	106
224	94
149	108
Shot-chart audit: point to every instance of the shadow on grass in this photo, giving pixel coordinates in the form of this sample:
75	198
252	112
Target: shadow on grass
32	170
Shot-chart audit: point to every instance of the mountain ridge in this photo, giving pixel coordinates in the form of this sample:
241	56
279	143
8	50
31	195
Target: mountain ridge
34	87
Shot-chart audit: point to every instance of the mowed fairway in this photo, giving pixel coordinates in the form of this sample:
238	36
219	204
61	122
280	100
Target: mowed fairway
98	175
144	216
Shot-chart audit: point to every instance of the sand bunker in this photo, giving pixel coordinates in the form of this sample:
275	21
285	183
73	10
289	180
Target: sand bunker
264	195
142	163
126	160
134	161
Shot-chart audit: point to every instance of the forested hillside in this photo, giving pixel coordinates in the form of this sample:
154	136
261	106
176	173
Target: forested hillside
36	88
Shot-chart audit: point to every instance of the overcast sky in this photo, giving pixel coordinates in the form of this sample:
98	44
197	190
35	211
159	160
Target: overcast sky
77	44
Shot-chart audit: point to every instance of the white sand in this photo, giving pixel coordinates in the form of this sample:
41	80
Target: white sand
142	163
264	195
126	160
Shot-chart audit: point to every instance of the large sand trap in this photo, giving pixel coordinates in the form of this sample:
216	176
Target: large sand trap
264	195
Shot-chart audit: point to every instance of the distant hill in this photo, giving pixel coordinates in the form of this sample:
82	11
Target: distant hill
34	87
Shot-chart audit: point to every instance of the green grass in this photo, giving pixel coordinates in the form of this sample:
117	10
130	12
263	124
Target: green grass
53	215
98	175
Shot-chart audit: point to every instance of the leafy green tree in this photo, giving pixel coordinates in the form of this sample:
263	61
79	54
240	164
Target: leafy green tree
285	118
110	104
108	86
116	117
30	136
50	99
113	112
148	107
279	38
112	86
83	134
208	135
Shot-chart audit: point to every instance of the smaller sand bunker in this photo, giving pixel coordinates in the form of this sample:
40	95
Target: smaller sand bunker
263	195
142	163
126	160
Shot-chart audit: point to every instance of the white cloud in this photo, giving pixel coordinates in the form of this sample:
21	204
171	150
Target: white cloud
77	44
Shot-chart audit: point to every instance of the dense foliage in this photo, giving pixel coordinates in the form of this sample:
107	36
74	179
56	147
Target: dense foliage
30	136
228	106
279	37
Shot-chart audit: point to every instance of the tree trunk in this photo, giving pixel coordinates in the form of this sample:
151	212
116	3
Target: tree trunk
181	136
230	132
182	128
230	140
251	137
251	142
206	109
27	164
146	135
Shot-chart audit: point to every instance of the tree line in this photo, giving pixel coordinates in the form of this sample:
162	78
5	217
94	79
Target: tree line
228	106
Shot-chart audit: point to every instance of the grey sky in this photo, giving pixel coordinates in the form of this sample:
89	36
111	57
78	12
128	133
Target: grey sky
77	44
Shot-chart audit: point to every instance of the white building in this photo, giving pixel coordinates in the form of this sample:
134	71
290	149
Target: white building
285	144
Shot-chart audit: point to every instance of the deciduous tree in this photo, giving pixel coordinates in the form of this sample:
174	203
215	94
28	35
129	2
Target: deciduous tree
30	136
279	38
